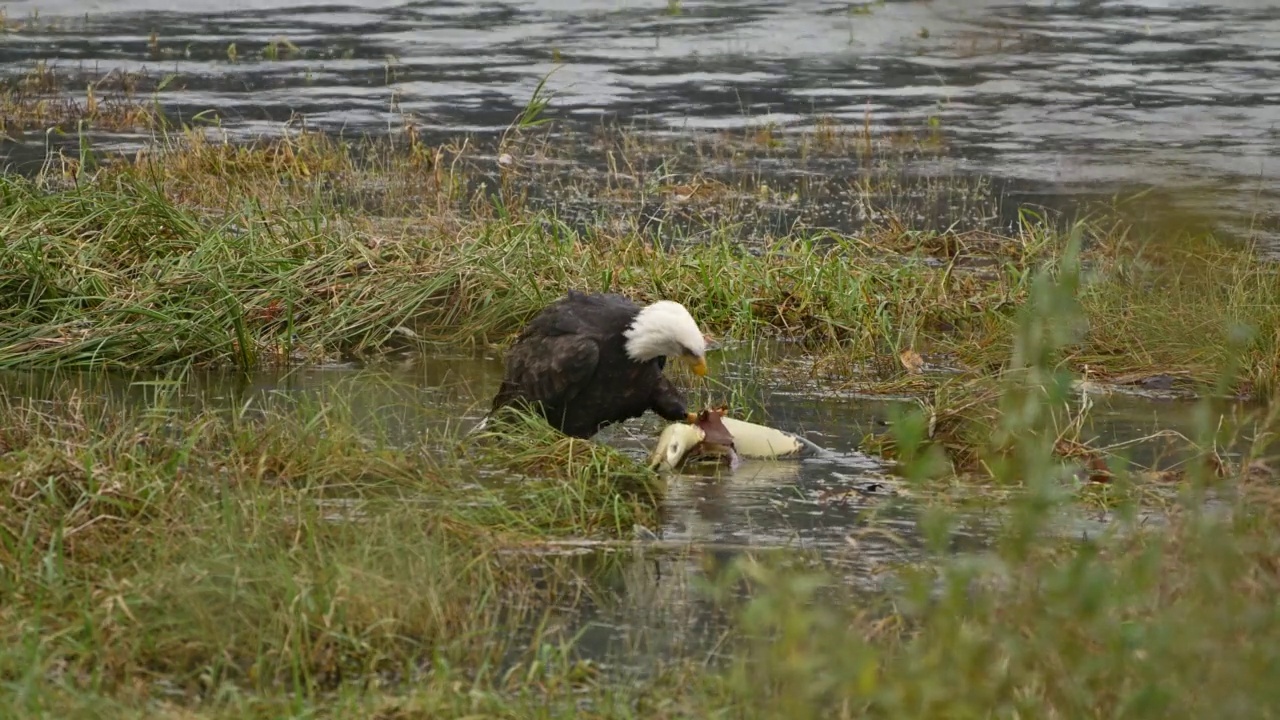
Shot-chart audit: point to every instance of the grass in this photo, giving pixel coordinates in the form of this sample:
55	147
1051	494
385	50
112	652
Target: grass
176	550
39	102
582	474
287	560
171	557
310	248
139	268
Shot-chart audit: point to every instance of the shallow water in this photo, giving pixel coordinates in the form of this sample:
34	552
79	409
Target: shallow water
1052	100
639	605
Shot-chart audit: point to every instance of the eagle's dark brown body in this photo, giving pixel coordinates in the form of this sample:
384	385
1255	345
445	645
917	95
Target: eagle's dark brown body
570	364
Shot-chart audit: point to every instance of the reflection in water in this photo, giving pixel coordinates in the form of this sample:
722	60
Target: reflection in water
1066	97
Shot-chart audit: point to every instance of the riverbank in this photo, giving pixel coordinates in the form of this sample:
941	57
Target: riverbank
286	559
311	250
299	250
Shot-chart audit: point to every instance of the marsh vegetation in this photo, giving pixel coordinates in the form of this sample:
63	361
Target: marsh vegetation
173	553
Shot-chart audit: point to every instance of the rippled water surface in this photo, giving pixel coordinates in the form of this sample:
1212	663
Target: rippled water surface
1059	98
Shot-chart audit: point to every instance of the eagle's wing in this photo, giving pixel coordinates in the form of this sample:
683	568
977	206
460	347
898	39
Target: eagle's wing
549	368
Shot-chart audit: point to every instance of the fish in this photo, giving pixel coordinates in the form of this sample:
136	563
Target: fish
715	437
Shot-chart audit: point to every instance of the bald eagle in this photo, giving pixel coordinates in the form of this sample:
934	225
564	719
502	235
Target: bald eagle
588	361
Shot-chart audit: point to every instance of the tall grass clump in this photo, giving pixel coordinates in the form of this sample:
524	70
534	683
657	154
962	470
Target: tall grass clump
270	253
1180	304
165	550
574	481
122	277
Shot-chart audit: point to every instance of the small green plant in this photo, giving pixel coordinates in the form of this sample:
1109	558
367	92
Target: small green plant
532	115
280	48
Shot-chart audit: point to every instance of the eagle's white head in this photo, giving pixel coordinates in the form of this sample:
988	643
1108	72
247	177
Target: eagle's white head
667	328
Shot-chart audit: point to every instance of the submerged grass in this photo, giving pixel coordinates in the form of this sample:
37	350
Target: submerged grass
38	102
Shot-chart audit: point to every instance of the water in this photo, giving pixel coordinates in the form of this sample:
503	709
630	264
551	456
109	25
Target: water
639	606
1053	101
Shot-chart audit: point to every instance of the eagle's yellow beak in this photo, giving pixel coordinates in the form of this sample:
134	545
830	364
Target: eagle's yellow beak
699	366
